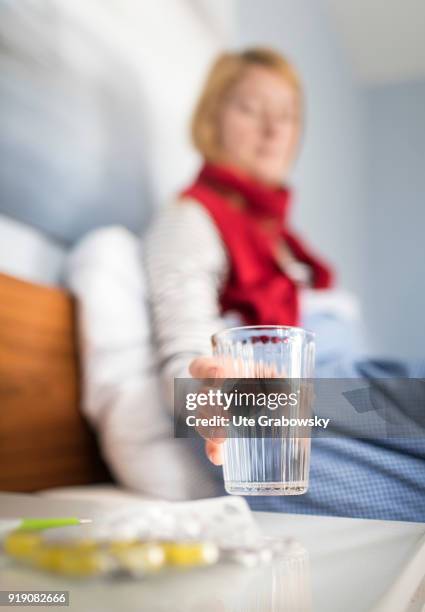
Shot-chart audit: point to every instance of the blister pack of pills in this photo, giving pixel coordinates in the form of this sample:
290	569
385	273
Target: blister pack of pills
141	538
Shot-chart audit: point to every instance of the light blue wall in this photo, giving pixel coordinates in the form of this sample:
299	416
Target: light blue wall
329	176
396	218
360	179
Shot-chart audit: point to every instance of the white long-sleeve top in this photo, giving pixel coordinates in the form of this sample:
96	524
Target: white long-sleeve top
187	265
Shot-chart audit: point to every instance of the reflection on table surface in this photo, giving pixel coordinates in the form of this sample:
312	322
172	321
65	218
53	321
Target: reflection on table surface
281	586
334	564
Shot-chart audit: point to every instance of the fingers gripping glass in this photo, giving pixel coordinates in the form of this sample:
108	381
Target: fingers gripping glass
276	463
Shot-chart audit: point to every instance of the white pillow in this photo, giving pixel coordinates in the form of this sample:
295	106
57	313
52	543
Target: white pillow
121	393
27	253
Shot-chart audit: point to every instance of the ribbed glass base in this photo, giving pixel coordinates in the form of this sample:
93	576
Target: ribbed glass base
266	488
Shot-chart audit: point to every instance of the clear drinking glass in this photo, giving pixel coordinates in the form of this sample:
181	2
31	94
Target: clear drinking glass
279	463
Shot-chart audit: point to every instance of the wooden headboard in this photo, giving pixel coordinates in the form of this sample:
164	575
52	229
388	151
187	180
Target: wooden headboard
44	439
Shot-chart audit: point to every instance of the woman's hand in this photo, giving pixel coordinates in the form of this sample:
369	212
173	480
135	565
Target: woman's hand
208	367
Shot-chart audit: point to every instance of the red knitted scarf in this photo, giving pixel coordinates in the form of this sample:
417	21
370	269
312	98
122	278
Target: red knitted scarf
257	287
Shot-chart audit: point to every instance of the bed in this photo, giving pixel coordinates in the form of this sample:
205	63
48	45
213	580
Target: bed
96	100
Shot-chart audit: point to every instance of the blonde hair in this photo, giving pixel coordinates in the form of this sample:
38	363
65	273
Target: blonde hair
226	71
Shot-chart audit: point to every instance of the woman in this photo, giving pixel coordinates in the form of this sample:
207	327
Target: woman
223	253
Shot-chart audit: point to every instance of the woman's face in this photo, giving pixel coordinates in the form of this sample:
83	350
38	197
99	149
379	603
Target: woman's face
258	125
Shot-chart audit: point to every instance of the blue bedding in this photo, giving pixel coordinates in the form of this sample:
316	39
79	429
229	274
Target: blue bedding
378	479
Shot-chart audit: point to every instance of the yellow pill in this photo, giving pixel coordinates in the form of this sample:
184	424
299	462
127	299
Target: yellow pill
138	557
22	544
82	545
190	553
121	545
80	559
83	562
47	558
